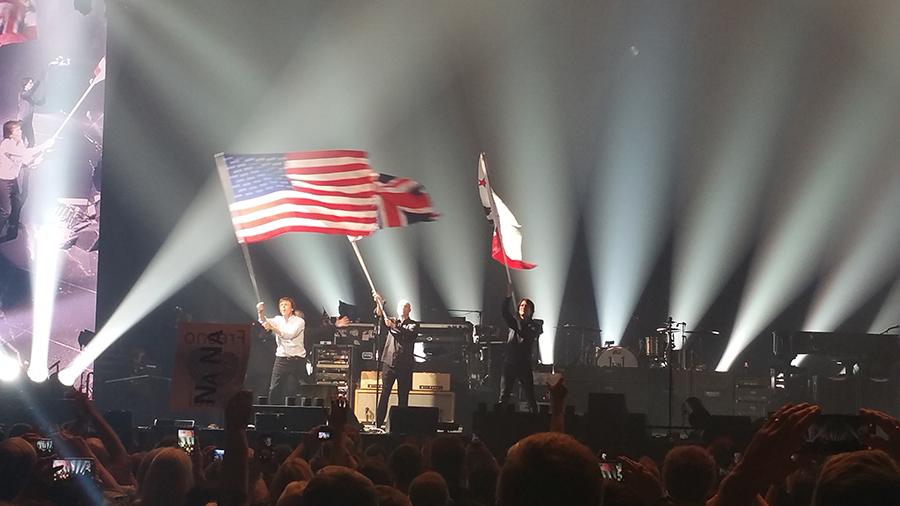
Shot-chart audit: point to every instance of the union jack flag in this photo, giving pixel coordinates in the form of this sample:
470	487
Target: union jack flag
401	202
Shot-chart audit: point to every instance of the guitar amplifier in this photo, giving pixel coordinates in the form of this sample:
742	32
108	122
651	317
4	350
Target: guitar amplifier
364	403
422	381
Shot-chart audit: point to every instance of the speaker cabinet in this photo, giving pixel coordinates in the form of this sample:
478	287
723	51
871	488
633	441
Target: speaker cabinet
413	420
445	402
270	418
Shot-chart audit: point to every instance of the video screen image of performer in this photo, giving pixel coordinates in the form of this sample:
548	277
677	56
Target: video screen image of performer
15	155
291	353
25	108
524	330
397	357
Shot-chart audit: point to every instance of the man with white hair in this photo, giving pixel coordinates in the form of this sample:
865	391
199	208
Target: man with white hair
397	357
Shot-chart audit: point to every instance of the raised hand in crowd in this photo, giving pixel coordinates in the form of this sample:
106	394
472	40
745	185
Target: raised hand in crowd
74	446
767	459
235	463
643	481
558	392
118	463
891	428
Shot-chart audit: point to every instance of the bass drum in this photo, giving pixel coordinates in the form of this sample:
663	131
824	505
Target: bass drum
615	356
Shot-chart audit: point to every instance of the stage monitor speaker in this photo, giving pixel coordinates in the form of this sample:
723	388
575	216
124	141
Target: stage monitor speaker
288	418
606	421
499	430
715	390
413	420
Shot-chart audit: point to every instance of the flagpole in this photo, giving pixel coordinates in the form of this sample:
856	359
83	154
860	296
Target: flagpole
74	109
496	218
222	168
365	269
247	261
381	317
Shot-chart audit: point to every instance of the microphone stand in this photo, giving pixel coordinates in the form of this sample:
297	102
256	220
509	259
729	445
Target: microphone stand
379	322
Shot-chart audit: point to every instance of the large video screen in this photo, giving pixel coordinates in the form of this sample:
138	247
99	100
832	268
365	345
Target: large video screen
52	71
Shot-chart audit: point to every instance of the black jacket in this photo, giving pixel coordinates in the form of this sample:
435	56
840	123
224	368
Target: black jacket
522	334
398	347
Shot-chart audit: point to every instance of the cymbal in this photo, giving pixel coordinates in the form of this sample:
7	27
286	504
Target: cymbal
708	332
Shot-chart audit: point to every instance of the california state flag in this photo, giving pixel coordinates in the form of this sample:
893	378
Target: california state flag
506	246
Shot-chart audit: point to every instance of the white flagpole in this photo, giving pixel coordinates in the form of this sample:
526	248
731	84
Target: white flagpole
74	109
247	261
383	316
365	269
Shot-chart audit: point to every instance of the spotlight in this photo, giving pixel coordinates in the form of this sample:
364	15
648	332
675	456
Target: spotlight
9	368
38	374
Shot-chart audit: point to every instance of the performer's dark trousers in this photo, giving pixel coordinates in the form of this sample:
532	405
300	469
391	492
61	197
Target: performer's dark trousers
518	371
284	369
10	205
28	130
403	377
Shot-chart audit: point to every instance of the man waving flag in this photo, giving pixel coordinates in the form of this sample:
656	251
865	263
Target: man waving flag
506	245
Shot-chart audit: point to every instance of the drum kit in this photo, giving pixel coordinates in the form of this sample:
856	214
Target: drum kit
663	348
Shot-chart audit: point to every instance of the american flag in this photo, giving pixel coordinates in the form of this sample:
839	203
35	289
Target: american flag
327	192
401	202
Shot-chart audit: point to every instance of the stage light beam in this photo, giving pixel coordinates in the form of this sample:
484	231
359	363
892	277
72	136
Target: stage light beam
869	258
817	208
716	230
199	240
627	222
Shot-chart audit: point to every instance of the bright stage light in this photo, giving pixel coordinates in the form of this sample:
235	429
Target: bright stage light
715	233
388	255
44	280
312	261
199	240
454	263
9	368
867	261
628	218
818	209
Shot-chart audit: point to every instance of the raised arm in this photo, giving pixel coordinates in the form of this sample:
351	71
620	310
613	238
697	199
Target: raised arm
119	462
235	463
379	310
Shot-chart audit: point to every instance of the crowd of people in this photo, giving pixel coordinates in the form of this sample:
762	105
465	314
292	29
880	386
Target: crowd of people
547	468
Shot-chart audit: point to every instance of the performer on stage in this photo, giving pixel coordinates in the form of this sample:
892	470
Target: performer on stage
291	355
14	156
524	330
25	108
397	357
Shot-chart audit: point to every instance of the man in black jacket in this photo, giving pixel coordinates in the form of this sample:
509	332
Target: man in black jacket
524	330
397	357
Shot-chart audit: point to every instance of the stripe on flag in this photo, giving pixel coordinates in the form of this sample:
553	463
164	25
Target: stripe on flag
326	192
